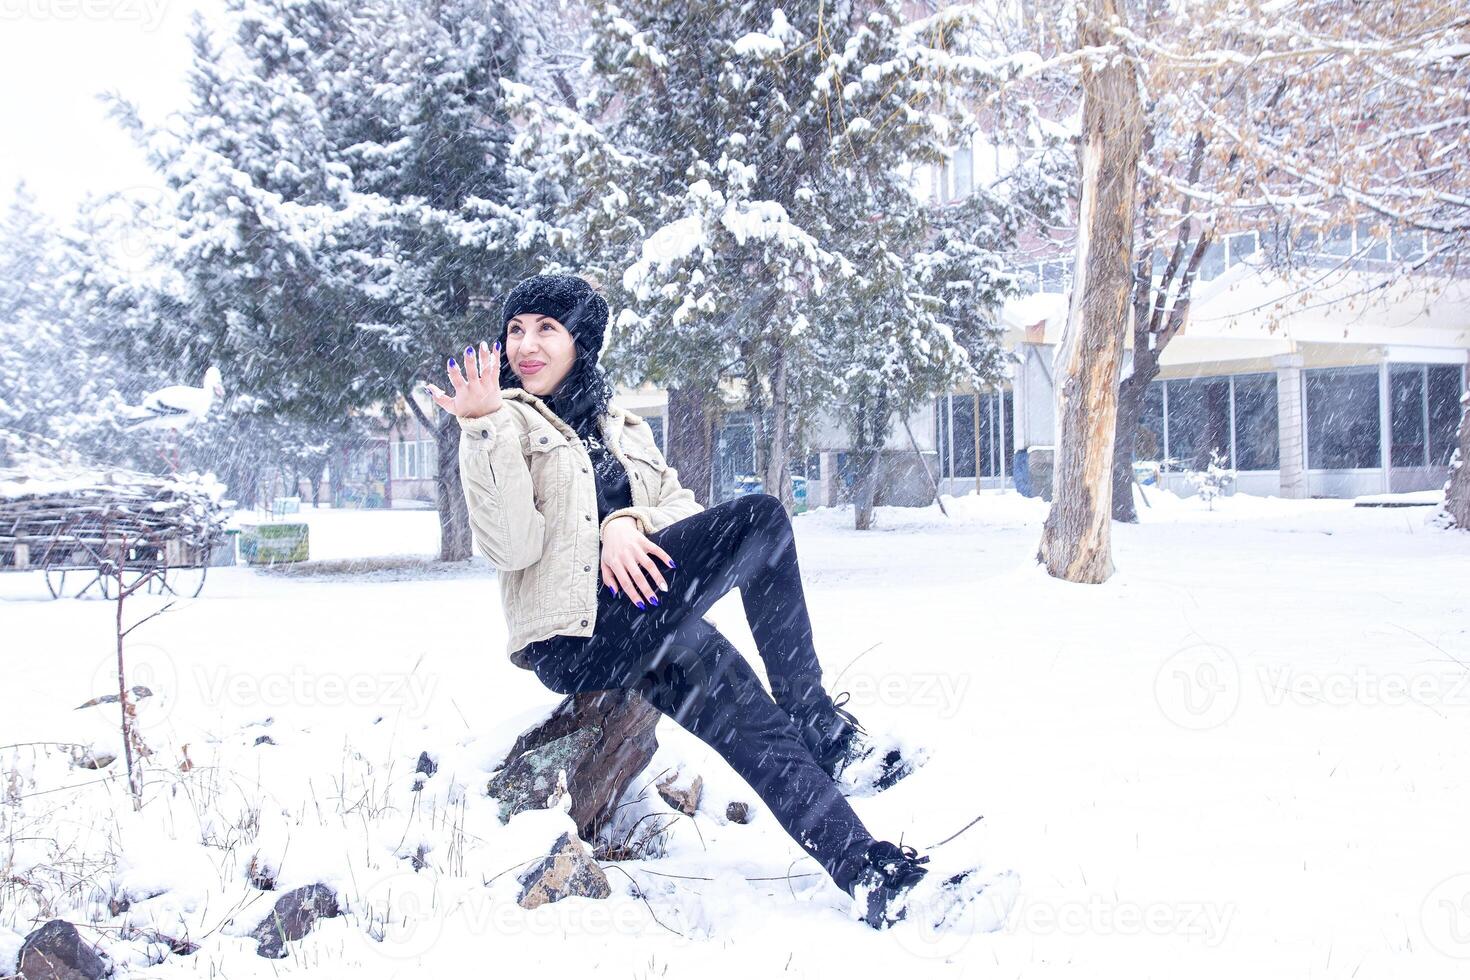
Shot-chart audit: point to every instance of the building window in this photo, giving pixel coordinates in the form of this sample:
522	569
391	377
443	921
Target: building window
1182	421
1054	277
1424	405
1407	245
996	426
1242	246
1150	438
1406	414
734	461
1199	421
1338	241
1212	263
1257	442
414	459
964	172
1366	245
1342	418
954	435
1442	390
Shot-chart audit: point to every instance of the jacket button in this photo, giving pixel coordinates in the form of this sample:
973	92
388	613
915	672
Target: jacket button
584	469
587	516
543	438
586	568
584	622
484	433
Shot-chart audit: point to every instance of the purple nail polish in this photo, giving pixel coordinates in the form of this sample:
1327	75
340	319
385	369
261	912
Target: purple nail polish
653	599
640	605
673	564
451	362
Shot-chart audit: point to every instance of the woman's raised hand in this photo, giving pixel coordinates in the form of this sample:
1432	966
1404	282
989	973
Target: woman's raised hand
627	561
476	386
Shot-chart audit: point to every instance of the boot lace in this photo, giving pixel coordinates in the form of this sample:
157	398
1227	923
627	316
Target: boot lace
837	703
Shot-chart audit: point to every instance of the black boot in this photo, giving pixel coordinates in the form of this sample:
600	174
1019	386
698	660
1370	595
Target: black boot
838	741
830	732
881	887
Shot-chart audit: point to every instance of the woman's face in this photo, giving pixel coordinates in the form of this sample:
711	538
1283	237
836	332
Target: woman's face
540	352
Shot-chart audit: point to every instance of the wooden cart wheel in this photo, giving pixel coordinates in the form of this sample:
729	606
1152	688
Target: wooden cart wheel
55	579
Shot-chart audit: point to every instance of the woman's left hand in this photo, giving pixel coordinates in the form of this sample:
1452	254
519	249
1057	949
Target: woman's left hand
626	561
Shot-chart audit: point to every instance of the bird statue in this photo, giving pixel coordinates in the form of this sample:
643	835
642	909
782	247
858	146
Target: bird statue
176	406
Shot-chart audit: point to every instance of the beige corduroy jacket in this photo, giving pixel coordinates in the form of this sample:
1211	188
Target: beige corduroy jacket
532	504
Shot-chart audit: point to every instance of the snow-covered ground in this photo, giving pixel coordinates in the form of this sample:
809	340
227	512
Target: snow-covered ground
1246	753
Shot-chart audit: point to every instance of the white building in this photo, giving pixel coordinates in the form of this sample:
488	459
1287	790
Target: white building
1341	379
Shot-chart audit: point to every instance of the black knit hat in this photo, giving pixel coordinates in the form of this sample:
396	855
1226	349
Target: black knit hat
570	299
583	395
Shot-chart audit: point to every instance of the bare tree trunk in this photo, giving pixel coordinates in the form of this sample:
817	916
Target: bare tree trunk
315	479
1076	542
867	429
864	487
1125	438
455	540
689	441
775	475
1457	490
337	474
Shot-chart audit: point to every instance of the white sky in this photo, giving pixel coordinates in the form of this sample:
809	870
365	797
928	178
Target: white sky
55	55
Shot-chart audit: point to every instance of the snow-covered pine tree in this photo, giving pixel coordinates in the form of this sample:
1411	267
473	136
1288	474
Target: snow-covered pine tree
920	313
460	221
746	187
341	192
51	408
247	234
33	372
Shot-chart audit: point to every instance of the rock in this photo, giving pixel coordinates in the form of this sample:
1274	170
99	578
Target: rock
179	947
568	870
292	918
56	952
261	875
538	777
138	691
602	739
265	740
685	799
737	812
426	767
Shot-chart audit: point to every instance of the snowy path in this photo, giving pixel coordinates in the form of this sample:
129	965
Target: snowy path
1248	750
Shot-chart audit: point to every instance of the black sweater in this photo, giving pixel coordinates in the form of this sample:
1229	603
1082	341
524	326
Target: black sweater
613	490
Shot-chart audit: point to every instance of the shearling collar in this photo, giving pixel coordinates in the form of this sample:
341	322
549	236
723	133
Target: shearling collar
616	414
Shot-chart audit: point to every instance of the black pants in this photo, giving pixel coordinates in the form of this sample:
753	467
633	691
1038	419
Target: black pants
689	671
